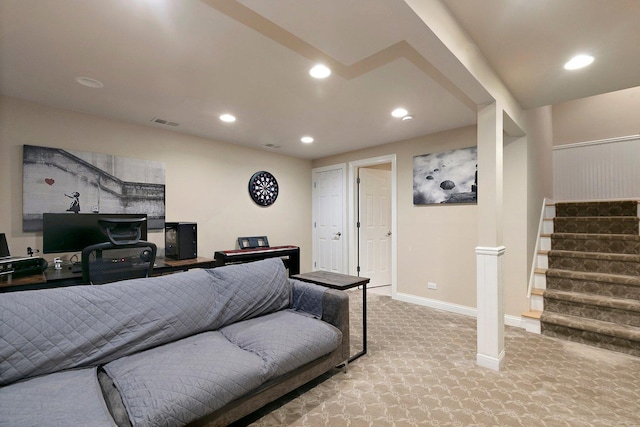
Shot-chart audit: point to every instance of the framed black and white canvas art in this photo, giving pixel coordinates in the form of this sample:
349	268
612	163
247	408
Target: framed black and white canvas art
57	180
446	177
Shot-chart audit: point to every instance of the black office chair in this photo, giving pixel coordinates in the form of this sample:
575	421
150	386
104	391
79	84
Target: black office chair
124	256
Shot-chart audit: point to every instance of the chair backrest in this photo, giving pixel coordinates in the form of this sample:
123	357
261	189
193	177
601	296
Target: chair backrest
4	247
106	262
122	231
124	256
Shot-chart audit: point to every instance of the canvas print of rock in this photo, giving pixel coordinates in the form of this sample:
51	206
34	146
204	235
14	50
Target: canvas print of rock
447	177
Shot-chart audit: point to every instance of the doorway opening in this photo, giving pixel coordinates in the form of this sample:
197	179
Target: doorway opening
372	214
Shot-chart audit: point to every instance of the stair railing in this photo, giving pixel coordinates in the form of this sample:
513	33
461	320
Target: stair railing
532	276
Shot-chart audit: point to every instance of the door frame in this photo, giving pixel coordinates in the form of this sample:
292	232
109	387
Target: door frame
314	207
352	208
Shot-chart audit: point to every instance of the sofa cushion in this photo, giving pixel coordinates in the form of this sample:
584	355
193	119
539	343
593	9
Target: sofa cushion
244	291
67	398
50	330
284	340
182	381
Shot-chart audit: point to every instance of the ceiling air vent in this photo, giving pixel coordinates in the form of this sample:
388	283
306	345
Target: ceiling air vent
272	146
164	122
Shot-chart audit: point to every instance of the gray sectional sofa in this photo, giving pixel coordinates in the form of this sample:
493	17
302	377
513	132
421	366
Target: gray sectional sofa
203	347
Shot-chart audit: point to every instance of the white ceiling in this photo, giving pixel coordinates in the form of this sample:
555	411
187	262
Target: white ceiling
526	42
188	61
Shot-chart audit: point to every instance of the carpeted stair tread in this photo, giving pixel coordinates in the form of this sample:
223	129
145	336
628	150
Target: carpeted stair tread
605	208
592	242
594	255
597	262
597	225
621	279
594	339
597	300
596	236
630	333
610	285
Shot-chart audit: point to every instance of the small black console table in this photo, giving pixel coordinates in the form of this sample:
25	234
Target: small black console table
341	282
290	255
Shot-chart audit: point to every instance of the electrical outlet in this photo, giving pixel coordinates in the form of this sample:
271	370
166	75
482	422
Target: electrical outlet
432	285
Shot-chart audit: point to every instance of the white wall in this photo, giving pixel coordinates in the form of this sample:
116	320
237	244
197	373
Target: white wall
610	115
206	181
436	243
515	259
539	170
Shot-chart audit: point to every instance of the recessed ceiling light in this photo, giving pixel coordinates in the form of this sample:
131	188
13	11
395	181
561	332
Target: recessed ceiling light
578	61
89	82
320	71
407	117
306	139
399	112
228	118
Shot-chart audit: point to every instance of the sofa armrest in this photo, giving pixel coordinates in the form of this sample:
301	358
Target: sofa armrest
334	307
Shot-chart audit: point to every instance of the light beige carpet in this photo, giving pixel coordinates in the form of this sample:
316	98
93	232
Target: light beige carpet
421	370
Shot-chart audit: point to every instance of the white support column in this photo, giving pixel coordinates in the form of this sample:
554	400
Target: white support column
490	175
489	280
490	300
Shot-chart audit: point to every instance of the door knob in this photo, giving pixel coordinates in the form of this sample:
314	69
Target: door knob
338	234
388	233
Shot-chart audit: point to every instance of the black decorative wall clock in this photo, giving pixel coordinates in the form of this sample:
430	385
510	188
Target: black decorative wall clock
263	188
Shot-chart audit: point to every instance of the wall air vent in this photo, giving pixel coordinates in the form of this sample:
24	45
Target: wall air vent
164	122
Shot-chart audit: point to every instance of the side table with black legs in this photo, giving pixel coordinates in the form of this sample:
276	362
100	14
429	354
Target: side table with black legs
341	282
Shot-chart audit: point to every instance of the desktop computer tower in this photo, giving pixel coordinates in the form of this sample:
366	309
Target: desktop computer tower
180	240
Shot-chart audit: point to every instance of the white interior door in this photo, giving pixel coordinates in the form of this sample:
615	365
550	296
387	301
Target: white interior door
375	225
329	219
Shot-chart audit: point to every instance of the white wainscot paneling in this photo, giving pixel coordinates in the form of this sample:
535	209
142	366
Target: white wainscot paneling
597	170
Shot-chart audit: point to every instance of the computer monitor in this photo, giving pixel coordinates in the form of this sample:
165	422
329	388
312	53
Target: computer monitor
71	232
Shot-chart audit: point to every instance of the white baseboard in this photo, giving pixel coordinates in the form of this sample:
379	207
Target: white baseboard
509	320
493	363
515	321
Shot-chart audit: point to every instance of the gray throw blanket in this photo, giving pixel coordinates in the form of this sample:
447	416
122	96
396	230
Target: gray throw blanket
306	298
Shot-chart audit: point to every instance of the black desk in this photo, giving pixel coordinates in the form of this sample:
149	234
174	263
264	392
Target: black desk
52	278
341	282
